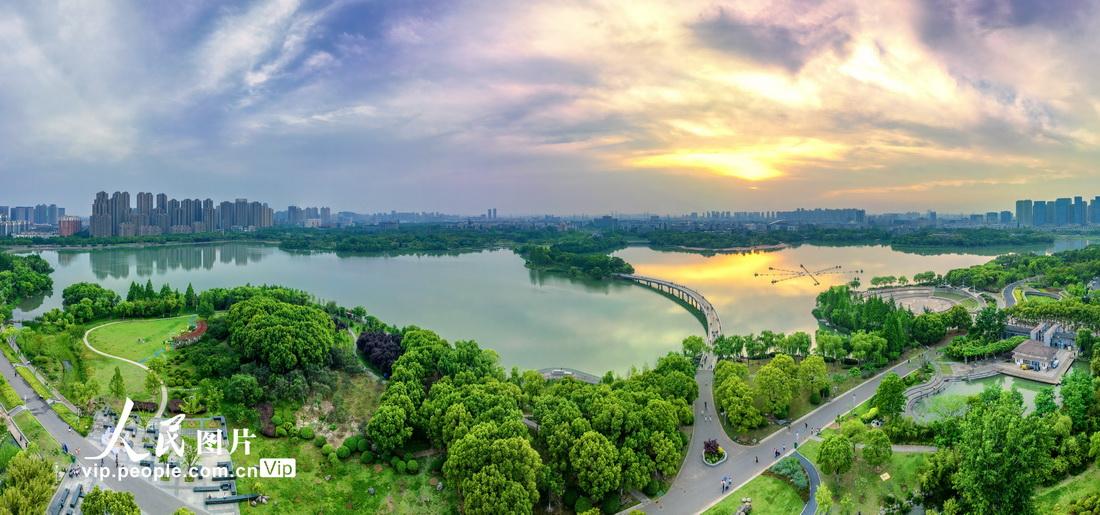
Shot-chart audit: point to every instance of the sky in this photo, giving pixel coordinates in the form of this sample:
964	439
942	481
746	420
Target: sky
555	106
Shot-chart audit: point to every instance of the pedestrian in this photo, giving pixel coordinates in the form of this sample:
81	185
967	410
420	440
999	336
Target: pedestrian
704	405
758	459
807	424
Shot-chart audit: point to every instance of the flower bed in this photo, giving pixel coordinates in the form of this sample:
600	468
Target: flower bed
713	454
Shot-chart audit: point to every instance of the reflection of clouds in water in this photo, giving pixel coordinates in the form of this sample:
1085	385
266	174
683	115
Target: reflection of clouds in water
749	303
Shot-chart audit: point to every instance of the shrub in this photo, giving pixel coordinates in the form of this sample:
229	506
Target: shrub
583	504
366	457
790	469
327	449
408	456
815	397
652	488
277	420
413	466
305	433
610	504
363	445
343	452
570	497
280	432
870	415
319	441
333	459
400	467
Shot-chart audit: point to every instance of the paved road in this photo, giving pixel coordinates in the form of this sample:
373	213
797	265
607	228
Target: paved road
815	480
163	389
698	486
1007	293
149	498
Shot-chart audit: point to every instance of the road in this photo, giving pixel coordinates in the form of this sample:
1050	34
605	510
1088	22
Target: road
150	498
698	486
815	481
1007	293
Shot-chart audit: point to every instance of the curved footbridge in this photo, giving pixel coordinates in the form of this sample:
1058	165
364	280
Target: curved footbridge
687	295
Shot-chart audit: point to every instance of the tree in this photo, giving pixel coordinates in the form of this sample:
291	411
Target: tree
824	498
813	374
1085	342
937	478
109	502
205	309
693	345
1078	399
735	399
243	389
118	386
928	328
890	396
957	317
773	390
836	454
489	492
595	461
1044	402
989	325
830	345
189	299
29	484
798	343
283	336
152	384
868	346
876	448
1004	455
389	428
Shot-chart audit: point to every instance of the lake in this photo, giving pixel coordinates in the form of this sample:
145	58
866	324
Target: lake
531	319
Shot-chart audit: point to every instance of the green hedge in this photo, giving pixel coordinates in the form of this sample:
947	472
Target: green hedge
36	385
82	425
8	397
963	347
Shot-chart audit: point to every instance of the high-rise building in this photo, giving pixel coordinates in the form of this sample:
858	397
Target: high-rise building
1094	210
4	212
1080	211
145	203
1039	211
68	225
101	222
1006	217
1063	211
162	203
1024	213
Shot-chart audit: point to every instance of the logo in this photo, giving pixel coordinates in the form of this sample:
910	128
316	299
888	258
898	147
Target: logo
278	467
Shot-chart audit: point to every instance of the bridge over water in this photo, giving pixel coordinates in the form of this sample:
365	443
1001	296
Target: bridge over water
688	296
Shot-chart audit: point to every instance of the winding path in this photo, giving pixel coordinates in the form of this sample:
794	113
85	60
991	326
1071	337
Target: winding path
163	388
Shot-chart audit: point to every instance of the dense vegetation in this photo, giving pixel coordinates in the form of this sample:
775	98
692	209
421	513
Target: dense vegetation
1067	268
594	439
592	265
22	277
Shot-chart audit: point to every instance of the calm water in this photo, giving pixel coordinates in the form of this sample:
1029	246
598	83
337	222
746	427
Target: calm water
750	304
532	320
951	401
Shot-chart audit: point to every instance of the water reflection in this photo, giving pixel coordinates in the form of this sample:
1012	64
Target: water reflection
749	303
120	263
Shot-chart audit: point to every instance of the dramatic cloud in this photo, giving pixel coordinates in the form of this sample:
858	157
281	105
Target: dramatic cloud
567	106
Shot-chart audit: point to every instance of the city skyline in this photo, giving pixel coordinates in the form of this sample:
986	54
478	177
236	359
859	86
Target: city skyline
644	106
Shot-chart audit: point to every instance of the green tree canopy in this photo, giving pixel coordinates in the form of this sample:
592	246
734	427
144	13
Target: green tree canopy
281	335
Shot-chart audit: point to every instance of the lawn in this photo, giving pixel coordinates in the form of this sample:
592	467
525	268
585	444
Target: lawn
138	340
770	496
1054	499
1039	299
863	482
37	434
323	487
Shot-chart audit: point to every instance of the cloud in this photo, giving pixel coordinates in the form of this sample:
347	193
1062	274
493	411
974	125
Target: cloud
786	46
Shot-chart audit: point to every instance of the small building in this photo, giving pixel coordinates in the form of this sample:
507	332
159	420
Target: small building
1035	355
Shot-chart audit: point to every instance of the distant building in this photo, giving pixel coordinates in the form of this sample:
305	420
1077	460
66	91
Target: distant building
1063	211
1006	217
69	225
1024	213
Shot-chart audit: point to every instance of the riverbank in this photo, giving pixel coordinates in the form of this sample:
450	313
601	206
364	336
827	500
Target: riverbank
15	249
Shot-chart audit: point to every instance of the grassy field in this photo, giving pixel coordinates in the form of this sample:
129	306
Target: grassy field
138	340
770	496
863	482
37	434
323	487
1054	499
1039	299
